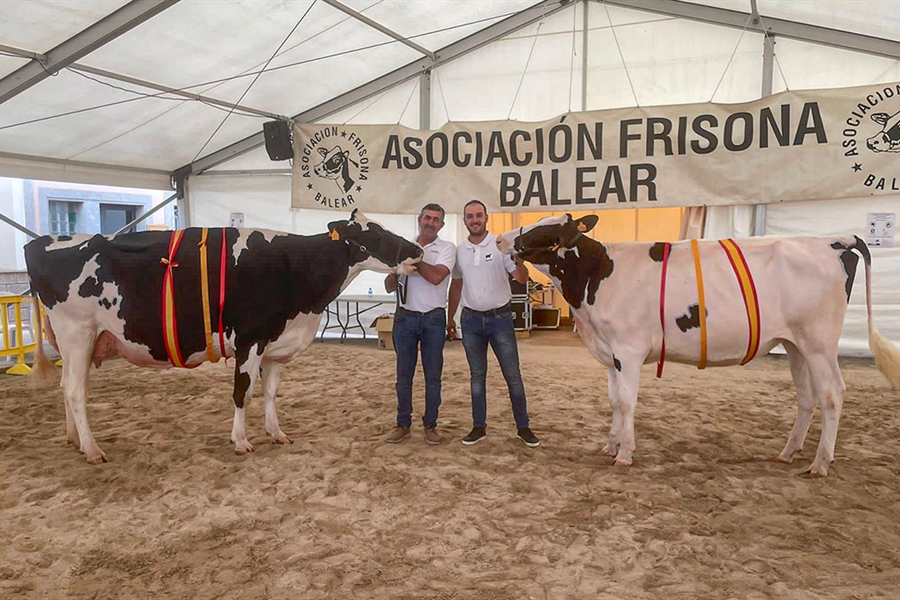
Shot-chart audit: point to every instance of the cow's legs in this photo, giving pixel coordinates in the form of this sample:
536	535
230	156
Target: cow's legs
271	371
806	402
246	371
615	428
71	430
828	386
627	381
76	350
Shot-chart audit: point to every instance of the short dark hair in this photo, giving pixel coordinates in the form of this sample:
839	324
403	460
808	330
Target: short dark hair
470	202
432	206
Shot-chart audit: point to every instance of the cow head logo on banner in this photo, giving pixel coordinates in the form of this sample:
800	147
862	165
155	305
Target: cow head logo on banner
334	166
872	130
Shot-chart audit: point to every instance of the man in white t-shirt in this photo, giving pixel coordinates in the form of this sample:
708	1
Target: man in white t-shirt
481	280
421	320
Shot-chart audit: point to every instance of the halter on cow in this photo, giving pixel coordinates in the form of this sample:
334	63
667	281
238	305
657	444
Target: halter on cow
801	287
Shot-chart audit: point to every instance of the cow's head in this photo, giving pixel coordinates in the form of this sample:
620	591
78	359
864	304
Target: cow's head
374	246
333	162
542	242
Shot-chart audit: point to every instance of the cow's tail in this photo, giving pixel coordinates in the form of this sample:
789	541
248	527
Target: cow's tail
43	372
887	357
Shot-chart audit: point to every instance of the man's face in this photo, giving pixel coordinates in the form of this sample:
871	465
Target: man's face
475	219
429	224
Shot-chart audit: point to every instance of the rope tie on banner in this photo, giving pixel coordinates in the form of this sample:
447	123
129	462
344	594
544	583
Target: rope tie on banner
762	25
612	28
701	302
525	70
662	309
733	52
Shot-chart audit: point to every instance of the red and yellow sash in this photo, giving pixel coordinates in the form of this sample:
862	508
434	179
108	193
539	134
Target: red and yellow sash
748	290
169	321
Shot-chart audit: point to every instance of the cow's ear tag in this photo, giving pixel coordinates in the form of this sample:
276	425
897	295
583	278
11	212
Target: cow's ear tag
334	235
582	227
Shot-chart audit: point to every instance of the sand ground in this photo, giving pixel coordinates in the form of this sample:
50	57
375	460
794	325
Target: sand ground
703	513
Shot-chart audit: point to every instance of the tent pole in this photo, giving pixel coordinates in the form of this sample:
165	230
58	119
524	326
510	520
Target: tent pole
425	100
759	215
147	214
584	55
15	225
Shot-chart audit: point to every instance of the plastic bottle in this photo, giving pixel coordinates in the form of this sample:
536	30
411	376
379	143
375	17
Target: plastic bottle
370	292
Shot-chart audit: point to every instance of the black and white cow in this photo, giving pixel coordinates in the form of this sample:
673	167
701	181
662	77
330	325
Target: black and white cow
105	296
800	285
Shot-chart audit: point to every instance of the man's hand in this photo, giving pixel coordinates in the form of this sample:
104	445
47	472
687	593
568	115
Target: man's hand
451	330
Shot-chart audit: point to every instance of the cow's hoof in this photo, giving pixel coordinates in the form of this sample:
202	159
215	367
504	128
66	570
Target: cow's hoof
76	443
784	460
242	448
610	449
622	462
97	459
282	439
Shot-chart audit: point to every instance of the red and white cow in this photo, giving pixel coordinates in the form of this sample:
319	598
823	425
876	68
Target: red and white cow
162	299
800	287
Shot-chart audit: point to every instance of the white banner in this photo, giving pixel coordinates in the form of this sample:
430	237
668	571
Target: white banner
805	145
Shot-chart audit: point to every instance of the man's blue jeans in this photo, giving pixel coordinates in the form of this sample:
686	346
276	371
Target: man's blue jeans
479	330
411	329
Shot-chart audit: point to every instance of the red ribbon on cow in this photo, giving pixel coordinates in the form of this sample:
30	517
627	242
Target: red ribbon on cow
662	309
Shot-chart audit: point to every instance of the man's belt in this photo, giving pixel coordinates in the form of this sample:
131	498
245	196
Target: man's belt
493	312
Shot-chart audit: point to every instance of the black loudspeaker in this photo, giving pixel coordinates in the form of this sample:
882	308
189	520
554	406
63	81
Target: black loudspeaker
278	140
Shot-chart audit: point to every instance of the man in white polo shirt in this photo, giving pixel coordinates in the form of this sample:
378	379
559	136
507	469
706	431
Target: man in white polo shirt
480	279
421	319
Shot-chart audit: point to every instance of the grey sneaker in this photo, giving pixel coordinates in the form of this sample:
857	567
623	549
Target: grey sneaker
473	437
432	436
397	435
529	438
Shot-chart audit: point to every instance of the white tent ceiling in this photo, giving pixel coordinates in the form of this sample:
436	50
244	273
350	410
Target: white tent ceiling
112	91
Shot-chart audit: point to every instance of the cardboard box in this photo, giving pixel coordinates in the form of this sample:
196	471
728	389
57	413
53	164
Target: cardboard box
384	325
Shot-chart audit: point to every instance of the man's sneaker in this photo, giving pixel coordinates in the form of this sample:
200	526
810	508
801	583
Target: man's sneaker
397	435
473	437
432	436
529	438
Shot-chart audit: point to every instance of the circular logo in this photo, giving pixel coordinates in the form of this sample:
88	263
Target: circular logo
334	164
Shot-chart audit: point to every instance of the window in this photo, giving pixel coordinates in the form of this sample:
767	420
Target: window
63	217
114	217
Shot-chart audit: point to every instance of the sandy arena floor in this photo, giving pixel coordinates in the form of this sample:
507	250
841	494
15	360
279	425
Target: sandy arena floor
703	513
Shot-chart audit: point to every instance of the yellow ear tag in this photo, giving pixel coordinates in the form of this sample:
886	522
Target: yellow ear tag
554	248
582	227
334	235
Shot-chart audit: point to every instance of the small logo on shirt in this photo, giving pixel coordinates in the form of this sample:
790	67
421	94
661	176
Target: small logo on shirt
488	257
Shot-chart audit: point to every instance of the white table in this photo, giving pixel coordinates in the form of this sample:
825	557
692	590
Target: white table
352	310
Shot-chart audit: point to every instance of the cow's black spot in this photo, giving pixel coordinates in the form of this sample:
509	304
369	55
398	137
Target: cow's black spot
241	385
657	251
690	319
617	364
90	287
580	270
64	238
849	260
114	301
105	303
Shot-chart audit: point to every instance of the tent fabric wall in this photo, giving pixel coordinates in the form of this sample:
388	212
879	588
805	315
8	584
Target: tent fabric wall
537	74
